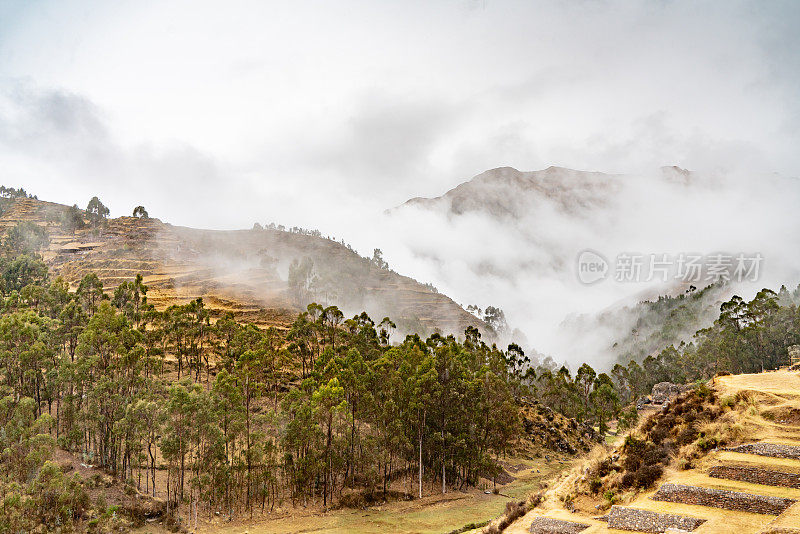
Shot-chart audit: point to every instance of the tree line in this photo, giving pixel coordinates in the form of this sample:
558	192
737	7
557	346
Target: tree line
226	417
747	337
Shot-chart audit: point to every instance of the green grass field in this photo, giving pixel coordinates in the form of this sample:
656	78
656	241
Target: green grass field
434	514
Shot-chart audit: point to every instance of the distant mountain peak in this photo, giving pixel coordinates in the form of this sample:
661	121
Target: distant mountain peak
506	191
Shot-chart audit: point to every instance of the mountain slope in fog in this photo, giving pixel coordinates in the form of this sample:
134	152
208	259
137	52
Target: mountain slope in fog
242	271
635	331
506	192
513	239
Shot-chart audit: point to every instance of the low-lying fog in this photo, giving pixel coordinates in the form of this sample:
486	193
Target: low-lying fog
526	262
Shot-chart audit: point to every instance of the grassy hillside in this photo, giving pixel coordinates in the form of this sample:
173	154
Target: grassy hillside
244	271
738	409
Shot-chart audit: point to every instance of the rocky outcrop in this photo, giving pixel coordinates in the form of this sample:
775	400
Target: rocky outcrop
662	393
728	500
548	525
773	450
756	475
623	518
551	430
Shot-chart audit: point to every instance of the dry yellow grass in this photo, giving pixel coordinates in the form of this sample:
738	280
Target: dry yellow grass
769	396
788	519
755	461
434	514
781	383
242	271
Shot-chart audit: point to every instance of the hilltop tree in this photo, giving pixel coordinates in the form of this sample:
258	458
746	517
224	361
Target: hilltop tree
496	319
377	259
72	219
97	212
11	193
140	212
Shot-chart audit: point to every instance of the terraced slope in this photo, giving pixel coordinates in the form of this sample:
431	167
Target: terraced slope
746	490
243	271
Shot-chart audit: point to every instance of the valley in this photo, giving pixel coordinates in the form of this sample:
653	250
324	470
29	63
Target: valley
353	267
161	378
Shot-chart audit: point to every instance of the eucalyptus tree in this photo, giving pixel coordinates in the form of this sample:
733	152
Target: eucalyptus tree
97	212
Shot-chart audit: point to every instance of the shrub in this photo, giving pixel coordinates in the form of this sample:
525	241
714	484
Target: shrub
686	435
705	444
514	510
602	468
655	455
628	479
658	434
647	475
703	392
610	497
634	453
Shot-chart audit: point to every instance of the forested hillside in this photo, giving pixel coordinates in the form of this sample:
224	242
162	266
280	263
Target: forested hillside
214	413
230	416
211	412
638	330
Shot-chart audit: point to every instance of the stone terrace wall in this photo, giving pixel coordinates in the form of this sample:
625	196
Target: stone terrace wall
728	500
645	521
548	525
773	450
756	475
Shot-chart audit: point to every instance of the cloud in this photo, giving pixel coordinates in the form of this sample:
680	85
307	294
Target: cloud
323	115
59	146
526	263
385	139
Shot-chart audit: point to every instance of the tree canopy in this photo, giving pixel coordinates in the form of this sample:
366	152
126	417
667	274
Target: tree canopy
97	212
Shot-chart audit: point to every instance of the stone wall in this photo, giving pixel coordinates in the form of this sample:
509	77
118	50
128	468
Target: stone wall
774	450
548	525
756	475
728	500
645	521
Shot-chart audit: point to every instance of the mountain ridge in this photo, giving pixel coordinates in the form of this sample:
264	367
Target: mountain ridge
238	271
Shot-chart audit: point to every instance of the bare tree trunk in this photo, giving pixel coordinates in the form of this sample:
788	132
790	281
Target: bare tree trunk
444	481
420	465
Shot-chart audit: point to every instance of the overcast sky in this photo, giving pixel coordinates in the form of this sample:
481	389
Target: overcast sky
218	114
323	114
